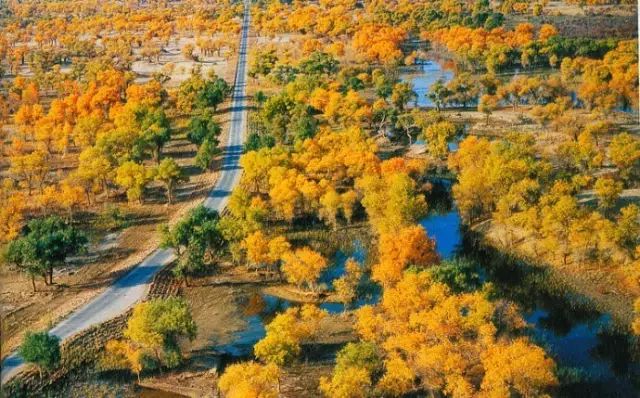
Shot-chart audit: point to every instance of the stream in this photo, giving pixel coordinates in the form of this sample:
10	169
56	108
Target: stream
593	359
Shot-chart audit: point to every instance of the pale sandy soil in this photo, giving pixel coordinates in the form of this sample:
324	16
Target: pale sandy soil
564	8
182	67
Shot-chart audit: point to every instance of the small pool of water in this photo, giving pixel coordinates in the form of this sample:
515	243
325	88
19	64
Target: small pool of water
422	77
262	308
259	311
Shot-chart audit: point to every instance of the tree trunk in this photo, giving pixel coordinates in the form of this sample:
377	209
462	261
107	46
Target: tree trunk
51	275
33	282
170	192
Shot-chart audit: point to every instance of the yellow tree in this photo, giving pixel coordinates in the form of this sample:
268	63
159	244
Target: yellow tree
303	266
285	193
330	204
94	171
31	168
346	287
556	221
607	190
123	354
286	332
348	201
278	246
14	204
170	174
398	250
250	380
437	136
519	367
351	382
624	152
636	322
392	201
436	342
257	248
133	177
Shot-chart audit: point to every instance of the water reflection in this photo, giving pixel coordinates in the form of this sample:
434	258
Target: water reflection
590	354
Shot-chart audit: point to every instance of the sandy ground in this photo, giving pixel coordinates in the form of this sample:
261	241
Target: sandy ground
573	20
181	67
564	8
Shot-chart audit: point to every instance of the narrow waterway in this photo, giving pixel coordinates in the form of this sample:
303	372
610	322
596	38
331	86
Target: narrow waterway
594	360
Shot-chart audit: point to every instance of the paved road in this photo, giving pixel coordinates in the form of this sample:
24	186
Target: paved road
132	287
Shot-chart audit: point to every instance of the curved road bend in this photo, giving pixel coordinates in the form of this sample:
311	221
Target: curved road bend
132	287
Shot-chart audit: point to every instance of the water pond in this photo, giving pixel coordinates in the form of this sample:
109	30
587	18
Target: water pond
422	76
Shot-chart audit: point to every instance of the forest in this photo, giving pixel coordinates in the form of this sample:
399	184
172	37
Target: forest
328	198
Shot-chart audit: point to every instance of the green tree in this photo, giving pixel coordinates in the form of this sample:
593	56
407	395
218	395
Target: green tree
155	131
200	224
212	94
41	349
207	152
319	63
402	94
363	354
459	274
262	62
45	244
22	253
202	127
255	141
197	239
438	94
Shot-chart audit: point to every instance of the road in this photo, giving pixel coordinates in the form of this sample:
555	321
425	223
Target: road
132	287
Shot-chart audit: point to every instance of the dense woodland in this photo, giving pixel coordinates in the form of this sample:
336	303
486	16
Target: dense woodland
548	155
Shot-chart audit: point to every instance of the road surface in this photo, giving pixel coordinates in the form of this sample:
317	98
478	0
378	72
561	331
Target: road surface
132	287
